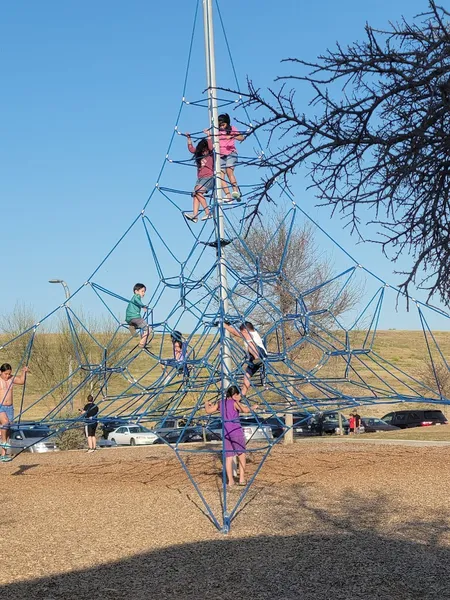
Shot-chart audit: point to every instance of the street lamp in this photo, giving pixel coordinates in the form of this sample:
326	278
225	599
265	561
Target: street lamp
64	284
67	292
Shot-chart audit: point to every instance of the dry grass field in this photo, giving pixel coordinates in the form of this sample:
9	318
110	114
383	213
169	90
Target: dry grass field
406	350
323	520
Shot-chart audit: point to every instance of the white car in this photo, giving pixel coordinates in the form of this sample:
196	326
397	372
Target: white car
132	435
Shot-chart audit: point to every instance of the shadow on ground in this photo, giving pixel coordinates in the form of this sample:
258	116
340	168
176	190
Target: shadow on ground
346	556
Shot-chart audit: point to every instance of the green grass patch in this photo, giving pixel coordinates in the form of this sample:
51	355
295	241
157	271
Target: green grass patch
434	433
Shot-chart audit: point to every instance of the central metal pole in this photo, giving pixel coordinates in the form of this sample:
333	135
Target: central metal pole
219	222
219	225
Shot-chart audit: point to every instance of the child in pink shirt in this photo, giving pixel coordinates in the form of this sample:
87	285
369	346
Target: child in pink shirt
228	156
205	175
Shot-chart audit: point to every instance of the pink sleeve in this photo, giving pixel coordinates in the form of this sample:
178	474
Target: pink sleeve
191	148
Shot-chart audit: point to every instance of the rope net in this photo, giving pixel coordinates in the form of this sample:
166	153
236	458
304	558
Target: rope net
319	322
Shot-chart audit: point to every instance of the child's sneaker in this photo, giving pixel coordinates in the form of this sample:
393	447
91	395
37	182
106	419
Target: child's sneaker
206	217
228	199
191	217
236	195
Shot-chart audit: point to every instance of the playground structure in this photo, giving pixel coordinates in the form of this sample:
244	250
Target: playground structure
321	356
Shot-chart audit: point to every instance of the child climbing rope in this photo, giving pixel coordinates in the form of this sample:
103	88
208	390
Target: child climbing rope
255	348
205	175
234	439
133	314
7	381
180	349
228	135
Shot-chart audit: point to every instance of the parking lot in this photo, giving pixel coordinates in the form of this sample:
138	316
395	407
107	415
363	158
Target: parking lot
119	523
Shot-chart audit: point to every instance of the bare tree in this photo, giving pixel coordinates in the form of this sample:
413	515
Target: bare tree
53	355
297	278
297	281
379	139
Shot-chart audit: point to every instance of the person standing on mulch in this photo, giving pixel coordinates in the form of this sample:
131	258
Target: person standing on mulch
357	421
351	424
89	412
234	439
7	381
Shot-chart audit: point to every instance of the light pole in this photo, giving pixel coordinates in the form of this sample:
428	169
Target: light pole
64	284
67	292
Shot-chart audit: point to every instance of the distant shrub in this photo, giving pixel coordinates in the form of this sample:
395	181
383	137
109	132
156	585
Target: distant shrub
436	376
71	439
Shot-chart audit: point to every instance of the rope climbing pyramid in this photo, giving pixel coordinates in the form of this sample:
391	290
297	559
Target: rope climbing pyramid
235	328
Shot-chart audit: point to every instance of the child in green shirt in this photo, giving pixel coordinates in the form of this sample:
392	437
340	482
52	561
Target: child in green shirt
133	314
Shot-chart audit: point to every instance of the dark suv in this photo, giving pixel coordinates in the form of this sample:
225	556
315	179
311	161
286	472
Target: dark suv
305	424
330	423
415	418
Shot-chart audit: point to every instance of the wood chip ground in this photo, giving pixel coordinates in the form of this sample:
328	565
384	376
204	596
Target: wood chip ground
323	521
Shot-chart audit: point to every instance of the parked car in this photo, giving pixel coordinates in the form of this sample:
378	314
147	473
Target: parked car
110	424
277	425
169	424
132	435
180	436
307	424
173	430
372	424
32	438
415	418
301	424
253	431
330	423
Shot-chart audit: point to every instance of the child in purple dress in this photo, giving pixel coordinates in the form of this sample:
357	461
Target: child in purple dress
234	438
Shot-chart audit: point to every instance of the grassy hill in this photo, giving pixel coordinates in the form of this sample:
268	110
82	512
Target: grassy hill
53	357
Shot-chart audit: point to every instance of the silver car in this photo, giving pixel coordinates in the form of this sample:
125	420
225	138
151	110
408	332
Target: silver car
34	438
253	431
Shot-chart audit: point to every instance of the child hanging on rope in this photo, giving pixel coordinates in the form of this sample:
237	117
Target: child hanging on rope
228	135
7	380
133	314
180	349
234	439
255	348
205	175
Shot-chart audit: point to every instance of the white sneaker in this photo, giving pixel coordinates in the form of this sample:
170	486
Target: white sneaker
191	217
228	199
206	217
236	195
91	450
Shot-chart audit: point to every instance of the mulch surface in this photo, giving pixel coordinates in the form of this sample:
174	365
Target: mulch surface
322	520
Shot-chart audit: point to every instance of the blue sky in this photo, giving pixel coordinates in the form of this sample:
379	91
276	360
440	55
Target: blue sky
90	95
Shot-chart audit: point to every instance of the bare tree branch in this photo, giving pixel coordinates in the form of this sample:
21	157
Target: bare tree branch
379	139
